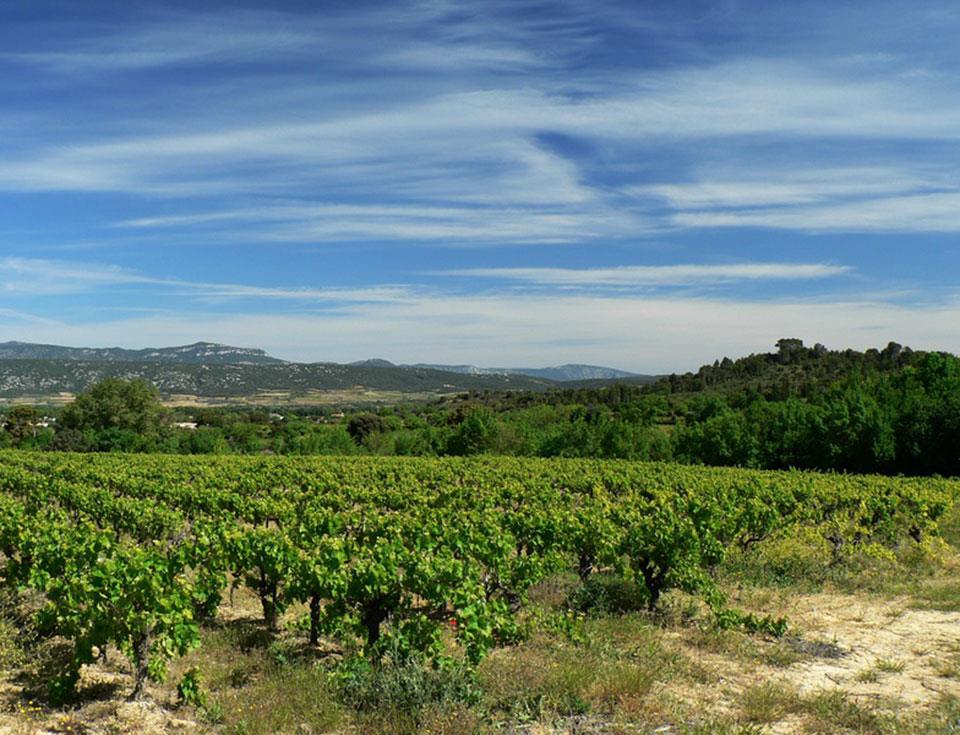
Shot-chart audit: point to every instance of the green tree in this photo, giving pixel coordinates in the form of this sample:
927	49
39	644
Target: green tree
476	433
363	425
117	405
203	440
724	439
21	423
247	438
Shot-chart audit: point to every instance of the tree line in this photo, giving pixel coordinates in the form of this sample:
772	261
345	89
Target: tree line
891	411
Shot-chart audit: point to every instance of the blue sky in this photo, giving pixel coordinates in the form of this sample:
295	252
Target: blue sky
647	185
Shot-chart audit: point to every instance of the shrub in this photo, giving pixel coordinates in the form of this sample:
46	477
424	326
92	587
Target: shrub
608	594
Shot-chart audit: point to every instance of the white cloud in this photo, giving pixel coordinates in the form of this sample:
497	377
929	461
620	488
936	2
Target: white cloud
643	334
391	37
934	212
479	224
791	186
183	39
32	276
39	277
18	316
45	277
659	275
921	198
477	147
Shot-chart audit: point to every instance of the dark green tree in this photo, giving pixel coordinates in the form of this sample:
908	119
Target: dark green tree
21	423
119	406
363	425
477	433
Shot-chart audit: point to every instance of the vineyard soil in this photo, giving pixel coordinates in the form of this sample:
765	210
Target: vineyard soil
876	659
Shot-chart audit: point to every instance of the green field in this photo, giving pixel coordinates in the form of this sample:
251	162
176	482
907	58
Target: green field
263	594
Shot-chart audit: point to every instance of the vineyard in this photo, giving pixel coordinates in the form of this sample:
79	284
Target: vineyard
432	558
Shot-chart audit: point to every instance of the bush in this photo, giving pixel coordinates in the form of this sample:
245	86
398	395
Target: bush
11	652
801	557
604	594
406	685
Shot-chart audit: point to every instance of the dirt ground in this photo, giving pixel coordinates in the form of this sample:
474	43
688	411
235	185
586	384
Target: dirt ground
889	635
876	651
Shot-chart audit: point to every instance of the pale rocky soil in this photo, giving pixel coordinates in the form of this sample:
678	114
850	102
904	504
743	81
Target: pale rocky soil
109	716
918	640
879	652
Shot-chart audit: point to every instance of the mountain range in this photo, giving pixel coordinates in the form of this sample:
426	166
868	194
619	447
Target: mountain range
212	353
209	370
558	373
199	353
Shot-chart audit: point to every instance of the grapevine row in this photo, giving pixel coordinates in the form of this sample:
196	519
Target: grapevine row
136	551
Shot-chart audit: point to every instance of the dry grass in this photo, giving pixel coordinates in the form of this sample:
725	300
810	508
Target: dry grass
768	702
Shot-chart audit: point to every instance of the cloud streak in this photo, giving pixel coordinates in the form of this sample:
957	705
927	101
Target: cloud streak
483	147
484	223
662	275
936	212
37	277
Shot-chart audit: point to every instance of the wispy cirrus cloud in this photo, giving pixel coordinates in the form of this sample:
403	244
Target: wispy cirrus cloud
481	223
15	316
928	212
44	277
771	97
657	275
38	277
491	85
47	277
838	199
187	42
247	36
787	185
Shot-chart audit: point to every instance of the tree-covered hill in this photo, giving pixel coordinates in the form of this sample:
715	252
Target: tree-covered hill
793	369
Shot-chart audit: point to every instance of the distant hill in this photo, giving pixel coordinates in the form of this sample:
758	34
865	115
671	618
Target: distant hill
564	373
200	353
793	370
375	362
630	380
212	353
560	373
37	378
461	369
212	370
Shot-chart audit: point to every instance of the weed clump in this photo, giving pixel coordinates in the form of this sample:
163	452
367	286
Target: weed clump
413	696
608	594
